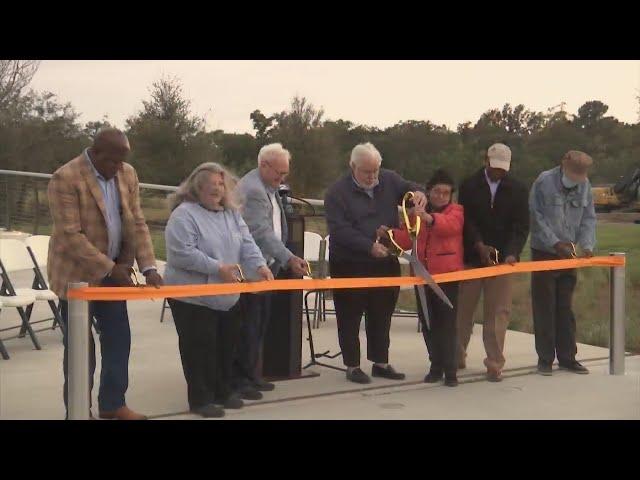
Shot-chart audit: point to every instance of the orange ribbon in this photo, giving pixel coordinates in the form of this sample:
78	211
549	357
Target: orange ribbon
178	291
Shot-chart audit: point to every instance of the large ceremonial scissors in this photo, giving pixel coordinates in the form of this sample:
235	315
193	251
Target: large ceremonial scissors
417	267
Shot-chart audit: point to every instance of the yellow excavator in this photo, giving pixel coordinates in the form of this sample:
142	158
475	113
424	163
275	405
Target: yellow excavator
625	194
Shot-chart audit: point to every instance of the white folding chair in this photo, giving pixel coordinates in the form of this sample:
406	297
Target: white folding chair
3	350
325	274
313	245
14	257
38	248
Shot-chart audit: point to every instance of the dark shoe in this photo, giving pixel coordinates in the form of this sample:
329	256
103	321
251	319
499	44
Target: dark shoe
434	376
494	376
451	380
544	368
209	411
574	367
263	386
358	376
249	393
233	401
387	372
122	413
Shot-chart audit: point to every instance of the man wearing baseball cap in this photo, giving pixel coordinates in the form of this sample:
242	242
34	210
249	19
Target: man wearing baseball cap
496	226
562	217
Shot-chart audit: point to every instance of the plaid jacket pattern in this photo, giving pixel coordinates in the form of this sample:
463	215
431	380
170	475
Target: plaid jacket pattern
79	241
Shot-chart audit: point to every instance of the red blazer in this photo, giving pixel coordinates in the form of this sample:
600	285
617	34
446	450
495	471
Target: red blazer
440	245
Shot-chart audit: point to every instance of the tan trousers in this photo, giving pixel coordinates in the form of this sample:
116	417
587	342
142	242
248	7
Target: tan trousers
497	312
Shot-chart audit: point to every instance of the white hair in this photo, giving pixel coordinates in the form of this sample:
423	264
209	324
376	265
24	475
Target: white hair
365	150
271	151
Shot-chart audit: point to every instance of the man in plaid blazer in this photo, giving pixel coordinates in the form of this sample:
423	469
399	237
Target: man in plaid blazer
98	230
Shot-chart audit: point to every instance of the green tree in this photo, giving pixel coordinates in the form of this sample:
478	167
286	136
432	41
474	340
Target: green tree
590	114
93	127
15	75
261	124
167	140
315	154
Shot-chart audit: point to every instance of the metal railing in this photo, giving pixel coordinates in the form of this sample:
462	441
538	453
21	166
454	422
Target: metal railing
24	197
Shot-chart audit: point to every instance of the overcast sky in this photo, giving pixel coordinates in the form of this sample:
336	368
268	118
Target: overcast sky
376	93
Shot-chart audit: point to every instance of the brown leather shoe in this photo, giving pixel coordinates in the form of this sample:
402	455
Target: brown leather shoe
123	413
494	375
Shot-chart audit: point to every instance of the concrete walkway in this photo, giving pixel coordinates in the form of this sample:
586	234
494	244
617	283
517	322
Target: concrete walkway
31	381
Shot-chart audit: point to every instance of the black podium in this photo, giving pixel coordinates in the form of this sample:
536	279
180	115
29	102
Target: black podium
282	350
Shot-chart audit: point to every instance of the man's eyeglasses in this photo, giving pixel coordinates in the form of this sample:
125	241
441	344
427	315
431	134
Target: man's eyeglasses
280	174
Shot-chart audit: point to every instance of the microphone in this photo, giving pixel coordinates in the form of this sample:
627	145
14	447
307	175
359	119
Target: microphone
285	192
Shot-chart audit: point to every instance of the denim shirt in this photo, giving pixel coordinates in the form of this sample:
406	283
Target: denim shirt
198	241
559	214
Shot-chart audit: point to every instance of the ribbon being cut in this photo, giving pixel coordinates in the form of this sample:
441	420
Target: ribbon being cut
422	276
147	293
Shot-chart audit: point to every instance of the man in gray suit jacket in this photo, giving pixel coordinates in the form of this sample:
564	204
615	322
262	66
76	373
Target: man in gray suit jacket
264	214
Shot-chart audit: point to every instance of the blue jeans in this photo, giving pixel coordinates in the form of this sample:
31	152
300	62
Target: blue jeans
115	344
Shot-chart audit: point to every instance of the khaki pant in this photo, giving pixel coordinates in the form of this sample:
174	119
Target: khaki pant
497	312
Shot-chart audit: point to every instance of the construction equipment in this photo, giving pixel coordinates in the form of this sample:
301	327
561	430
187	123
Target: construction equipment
625	194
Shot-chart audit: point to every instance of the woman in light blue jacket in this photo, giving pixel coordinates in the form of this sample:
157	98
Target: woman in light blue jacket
207	241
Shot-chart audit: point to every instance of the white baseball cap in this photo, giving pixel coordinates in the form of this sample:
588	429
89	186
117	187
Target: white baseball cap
499	156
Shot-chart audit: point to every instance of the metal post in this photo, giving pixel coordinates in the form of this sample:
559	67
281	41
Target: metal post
36	219
618	316
78	367
8	205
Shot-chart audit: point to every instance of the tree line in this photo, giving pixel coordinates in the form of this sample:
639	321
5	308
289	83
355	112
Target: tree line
39	133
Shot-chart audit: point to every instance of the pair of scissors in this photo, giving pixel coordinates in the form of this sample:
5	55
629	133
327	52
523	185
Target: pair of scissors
135	279
308	268
417	267
574	254
241	278
496	260
419	270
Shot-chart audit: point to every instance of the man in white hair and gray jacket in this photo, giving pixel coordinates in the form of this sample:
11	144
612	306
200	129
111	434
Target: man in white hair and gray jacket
264	214
356	205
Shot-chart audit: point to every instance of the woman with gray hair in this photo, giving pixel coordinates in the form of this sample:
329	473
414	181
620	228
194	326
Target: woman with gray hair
207	241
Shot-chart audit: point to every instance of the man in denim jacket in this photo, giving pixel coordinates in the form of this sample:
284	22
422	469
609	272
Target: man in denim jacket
562	217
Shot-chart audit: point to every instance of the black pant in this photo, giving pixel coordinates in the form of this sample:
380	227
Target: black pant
207	340
115	344
554	324
256	310
441	339
377	303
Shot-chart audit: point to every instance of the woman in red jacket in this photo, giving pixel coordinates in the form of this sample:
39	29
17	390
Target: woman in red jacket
440	250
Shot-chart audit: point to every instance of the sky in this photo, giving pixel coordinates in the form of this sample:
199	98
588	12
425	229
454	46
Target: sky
377	93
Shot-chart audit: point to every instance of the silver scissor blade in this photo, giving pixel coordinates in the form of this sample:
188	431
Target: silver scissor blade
422	298
422	272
